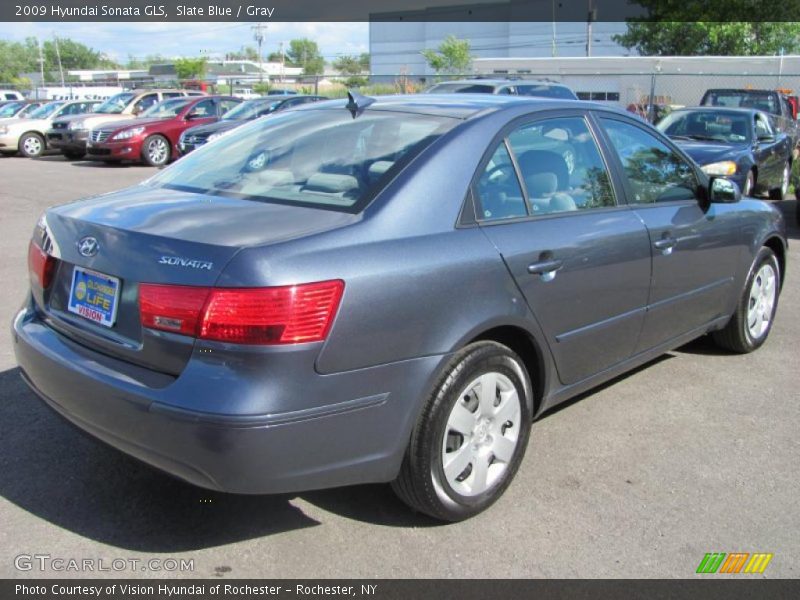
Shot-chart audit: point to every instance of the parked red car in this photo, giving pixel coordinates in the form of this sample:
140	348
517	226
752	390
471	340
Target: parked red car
153	136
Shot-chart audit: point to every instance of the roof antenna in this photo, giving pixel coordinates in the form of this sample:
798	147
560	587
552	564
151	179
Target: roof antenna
356	103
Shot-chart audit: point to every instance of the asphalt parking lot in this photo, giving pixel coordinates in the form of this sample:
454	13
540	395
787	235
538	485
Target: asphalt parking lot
697	452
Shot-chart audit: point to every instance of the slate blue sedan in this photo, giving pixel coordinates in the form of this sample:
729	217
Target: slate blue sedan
738	143
386	290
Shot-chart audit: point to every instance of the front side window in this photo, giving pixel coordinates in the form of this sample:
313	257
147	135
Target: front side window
144	103
655	173
561	166
763	129
321	158
203	109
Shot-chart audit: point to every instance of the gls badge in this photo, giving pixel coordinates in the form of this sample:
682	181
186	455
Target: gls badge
192	263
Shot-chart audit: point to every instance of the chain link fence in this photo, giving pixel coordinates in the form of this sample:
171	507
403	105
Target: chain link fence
649	94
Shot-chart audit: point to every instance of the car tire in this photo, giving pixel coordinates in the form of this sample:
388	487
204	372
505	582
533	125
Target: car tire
32	145
74	155
750	325
780	193
749	184
453	468
156	150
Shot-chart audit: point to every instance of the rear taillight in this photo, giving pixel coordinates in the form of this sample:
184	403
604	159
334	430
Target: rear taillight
40	265
291	314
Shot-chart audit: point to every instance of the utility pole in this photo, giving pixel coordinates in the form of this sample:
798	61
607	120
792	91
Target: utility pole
591	17
58	55
41	66
280	50
554	51
258	36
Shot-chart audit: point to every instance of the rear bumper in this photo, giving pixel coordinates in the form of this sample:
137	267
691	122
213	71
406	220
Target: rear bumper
355	430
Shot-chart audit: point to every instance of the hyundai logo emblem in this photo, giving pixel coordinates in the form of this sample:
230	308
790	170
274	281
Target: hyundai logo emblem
88	246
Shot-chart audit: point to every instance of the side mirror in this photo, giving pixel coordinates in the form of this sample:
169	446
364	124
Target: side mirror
723	191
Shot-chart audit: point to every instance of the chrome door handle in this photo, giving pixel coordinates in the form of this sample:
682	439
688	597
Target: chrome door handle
665	244
546	268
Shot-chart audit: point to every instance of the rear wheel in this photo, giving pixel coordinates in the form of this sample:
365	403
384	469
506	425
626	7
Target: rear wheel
751	323
781	192
471	435
31	145
156	151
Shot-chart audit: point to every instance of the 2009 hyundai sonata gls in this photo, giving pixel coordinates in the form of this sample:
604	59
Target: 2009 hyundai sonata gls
386	290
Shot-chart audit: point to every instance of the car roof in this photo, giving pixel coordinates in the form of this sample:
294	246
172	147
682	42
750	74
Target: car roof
497	82
462	106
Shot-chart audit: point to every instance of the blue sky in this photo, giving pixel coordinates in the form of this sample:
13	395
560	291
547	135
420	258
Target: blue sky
119	40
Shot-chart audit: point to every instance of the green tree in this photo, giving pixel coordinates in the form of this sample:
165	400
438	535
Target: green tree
75	55
348	65
452	56
697	27
274	57
305	53
246	53
364	59
190	68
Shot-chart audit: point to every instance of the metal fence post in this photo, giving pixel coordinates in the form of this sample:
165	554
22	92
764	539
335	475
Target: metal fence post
651	103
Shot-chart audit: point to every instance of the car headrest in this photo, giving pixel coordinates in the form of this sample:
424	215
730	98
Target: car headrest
541	184
561	203
544	161
331	183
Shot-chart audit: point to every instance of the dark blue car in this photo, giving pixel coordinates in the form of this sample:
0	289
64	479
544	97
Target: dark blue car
386	290
738	143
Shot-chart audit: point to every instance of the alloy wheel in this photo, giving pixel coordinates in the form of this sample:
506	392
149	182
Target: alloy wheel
157	150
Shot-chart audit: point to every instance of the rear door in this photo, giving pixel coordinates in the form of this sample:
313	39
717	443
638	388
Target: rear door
694	245
547	200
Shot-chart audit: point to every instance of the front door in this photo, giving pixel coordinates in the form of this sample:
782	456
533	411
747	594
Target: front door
693	244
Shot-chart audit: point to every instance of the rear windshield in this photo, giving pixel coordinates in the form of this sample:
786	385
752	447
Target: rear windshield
546	91
319	158
765	101
461	88
116	104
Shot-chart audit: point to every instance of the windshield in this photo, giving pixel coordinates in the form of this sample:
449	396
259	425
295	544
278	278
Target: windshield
46	110
115	104
318	158
251	109
9	110
765	101
169	109
718	126
461	88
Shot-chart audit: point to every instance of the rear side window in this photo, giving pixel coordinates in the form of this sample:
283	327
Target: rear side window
561	166
655	173
498	193
322	158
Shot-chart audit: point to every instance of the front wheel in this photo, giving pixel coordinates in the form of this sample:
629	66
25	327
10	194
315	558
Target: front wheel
31	145
780	193
751	323
156	151
471	436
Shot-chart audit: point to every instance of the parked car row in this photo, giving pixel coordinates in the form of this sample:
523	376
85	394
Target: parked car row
144	125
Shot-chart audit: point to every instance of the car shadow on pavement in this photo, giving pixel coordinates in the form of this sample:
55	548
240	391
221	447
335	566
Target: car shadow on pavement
56	472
